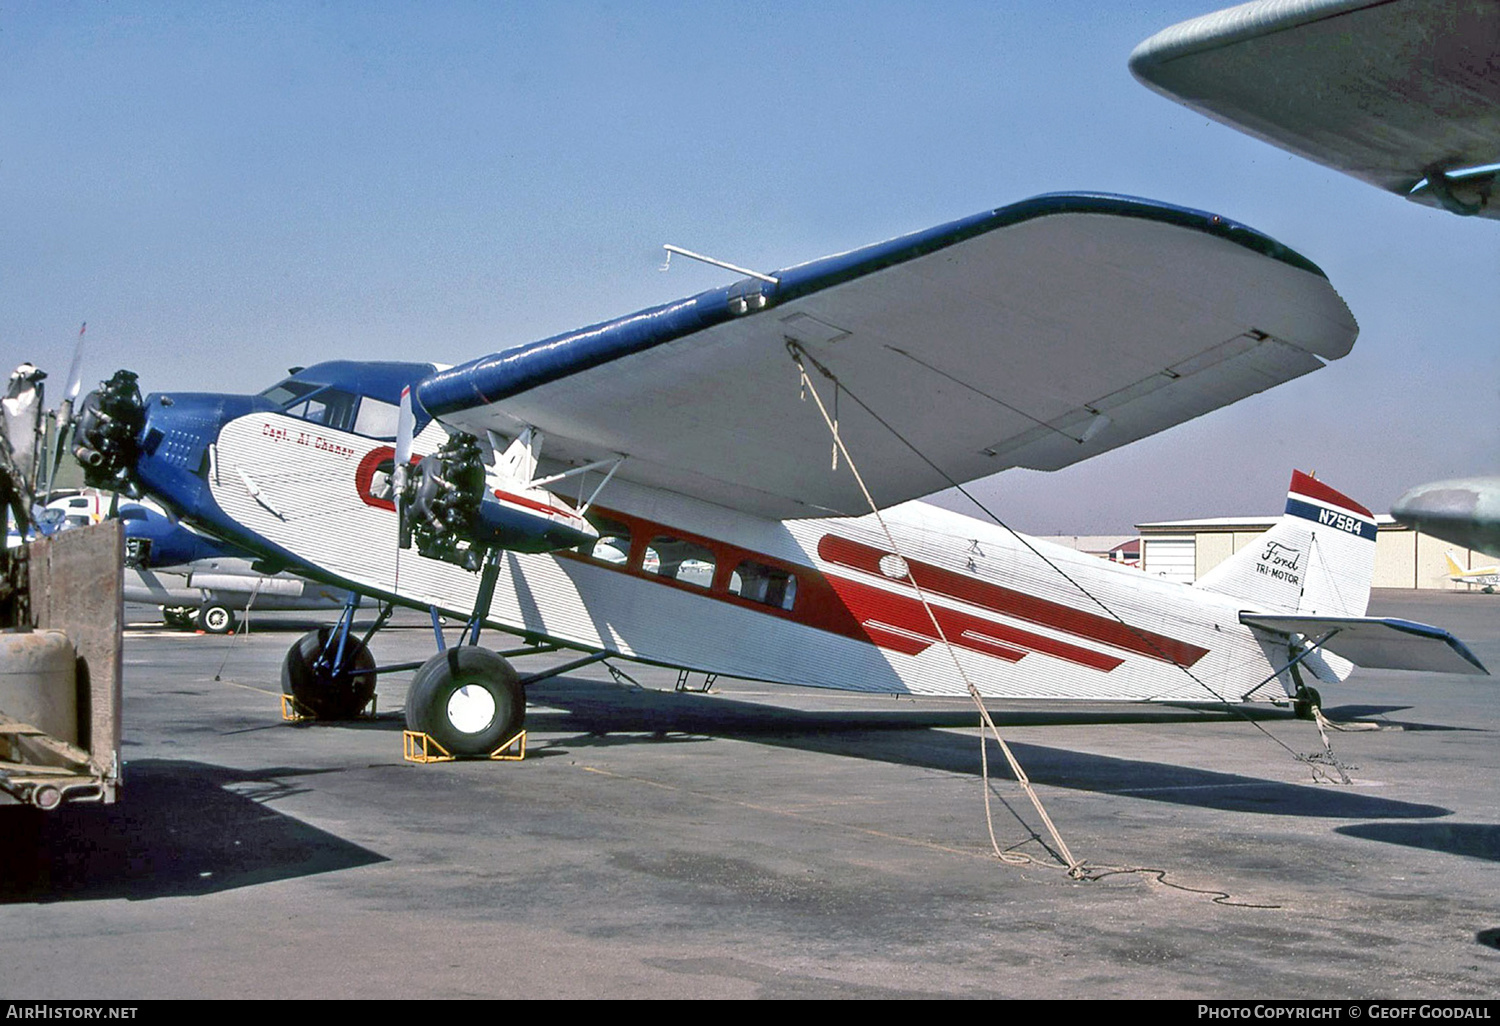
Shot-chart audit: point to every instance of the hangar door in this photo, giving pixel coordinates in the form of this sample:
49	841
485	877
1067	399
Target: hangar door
1172	556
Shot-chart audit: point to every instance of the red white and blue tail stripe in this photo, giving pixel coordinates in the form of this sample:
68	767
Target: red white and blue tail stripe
1313	500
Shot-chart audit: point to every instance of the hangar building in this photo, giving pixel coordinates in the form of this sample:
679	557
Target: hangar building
1183	550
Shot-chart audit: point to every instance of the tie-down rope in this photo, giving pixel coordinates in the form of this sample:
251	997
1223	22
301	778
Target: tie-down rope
1313	761
1074	866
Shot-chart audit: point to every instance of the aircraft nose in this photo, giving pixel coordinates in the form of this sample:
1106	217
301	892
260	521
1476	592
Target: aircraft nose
1465	511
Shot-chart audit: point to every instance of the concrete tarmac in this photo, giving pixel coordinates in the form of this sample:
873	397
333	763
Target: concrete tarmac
765	841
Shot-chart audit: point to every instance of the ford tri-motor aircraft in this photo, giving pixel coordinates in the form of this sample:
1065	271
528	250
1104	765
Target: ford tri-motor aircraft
722	484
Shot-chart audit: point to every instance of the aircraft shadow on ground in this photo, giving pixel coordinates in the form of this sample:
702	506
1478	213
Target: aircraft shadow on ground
910	737
180	828
1474	840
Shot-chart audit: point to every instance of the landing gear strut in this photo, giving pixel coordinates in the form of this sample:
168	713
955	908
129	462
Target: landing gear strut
328	673
468	699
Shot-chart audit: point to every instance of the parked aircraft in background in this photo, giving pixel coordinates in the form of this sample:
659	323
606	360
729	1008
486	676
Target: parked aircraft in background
739	466
1398	93
202	582
1486	577
1464	511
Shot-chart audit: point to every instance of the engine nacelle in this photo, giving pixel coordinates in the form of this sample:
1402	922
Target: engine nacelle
108	431
452	514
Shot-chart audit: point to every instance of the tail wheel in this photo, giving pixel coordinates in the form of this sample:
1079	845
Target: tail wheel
467	699
1306	699
216	619
318	690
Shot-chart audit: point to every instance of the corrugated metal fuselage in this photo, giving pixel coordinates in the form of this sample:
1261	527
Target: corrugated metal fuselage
819	602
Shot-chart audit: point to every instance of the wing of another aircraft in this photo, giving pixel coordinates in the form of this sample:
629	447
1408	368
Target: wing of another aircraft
1404	94
1034	335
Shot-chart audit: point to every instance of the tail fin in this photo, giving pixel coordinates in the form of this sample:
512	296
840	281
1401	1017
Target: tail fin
1453	568
1319	558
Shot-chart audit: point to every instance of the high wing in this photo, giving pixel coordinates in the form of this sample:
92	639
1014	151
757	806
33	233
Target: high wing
1034	335
1404	94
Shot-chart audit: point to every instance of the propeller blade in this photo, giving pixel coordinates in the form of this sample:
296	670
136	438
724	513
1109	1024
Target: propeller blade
75	383
75	372
406	423
64	419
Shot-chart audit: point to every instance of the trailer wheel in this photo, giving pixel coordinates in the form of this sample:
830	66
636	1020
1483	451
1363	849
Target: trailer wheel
216	619
320	693
467	699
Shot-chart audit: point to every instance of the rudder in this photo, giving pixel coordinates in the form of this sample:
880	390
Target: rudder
1318	559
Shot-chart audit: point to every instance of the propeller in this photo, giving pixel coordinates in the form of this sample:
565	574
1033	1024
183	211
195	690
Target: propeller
65	408
107	433
405	425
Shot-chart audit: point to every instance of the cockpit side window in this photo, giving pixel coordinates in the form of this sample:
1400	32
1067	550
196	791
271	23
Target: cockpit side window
331	407
328	407
376	419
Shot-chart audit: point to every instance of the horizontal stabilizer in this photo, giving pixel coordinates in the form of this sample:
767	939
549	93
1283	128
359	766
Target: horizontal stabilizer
1377	643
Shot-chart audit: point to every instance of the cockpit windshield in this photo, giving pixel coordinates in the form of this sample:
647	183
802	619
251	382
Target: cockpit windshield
349	395
334	408
285	391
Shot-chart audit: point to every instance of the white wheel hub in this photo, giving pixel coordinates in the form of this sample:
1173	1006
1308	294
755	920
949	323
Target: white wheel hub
471	708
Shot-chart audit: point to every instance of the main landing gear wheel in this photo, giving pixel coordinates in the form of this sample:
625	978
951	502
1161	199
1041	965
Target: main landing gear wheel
216	619
1303	702
320	693
467	699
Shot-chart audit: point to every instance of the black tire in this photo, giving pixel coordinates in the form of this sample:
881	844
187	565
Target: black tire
467	699
216	619
318	692
1303	704
173	616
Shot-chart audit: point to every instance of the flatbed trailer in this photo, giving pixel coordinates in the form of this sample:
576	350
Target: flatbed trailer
61	612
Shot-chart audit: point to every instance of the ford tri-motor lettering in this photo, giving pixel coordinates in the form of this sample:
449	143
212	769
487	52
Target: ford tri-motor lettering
1281	562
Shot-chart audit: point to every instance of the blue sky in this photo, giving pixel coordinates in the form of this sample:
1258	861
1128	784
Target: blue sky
223	190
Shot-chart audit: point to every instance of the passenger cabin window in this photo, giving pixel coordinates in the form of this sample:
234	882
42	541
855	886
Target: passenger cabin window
760	583
613	546
680	560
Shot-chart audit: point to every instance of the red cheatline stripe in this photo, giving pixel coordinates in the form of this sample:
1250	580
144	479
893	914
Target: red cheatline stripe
521	500
1312	488
937	581
900	622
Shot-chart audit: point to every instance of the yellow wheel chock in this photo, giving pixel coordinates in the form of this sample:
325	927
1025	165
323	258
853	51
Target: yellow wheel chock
293	711
420	747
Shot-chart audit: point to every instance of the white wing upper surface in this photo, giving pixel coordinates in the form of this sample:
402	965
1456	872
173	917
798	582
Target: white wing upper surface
1393	92
1034	335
